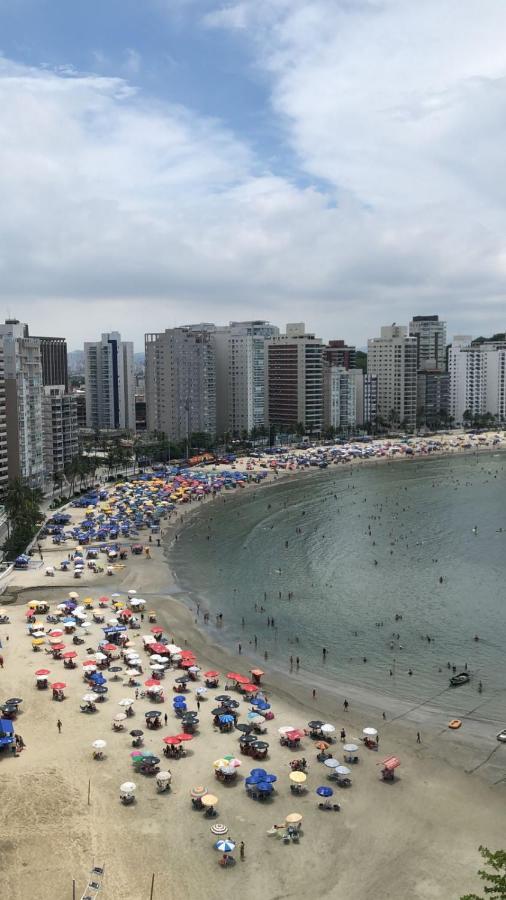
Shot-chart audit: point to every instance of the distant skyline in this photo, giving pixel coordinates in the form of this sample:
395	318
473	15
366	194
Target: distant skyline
206	160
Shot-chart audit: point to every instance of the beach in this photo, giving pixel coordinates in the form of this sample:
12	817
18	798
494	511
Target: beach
416	838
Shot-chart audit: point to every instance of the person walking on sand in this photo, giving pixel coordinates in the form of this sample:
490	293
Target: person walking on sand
59	725
314	694
418	738
241	851
346	705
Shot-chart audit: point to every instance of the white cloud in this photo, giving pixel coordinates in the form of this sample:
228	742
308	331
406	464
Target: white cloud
121	211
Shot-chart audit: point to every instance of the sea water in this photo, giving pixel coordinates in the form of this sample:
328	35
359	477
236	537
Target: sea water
377	559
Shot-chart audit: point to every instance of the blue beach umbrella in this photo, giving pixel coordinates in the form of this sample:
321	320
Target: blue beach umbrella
265	787
226	719
225	846
270	779
256	773
324	791
252	780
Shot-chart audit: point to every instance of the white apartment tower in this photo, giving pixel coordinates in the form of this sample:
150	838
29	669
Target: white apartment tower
61	434
295	380
110	385
392	357
4	473
241	376
23	403
181	381
477	378
339	397
430	334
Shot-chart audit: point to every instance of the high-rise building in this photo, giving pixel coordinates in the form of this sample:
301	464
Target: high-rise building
4	470
61	435
433	399
240	375
366	397
181	381
295	380
338	353
339	398
54	359
110	389
392	357
477	378
23	403
430	334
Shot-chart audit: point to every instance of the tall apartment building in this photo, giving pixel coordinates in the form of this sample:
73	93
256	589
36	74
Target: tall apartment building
295	379
181	381
54	358
366	397
477	378
339	397
338	353
392	357
110	387
23	403
61	432
241	375
4	470
433	398
430	334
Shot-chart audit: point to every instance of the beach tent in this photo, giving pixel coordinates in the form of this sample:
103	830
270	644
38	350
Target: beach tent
6	732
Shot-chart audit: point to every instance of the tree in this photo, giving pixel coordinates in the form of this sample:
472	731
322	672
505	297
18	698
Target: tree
467	417
495	887
22	505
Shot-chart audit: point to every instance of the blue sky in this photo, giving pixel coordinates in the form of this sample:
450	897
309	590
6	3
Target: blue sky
184	160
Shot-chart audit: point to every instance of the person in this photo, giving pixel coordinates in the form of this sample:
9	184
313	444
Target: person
418	738
59	725
314	694
241	850
198	704
1	661
165	718
343	734
346	705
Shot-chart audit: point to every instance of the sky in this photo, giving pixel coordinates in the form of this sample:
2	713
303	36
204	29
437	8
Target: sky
338	162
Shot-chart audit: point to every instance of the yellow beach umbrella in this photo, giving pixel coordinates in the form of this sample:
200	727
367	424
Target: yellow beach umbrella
298	777
220	763
209	800
88	601
36	642
293	818
33	604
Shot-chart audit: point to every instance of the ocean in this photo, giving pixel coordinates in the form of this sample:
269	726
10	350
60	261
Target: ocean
368	563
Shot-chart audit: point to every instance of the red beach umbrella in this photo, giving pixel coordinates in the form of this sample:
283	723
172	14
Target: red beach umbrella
171	740
70	654
156	629
241	679
110	648
58	686
42	672
211	674
250	688
55	632
58	647
151	682
184	737
158	648
90	662
185	653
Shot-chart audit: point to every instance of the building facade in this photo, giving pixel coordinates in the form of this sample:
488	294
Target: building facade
366	397
433	398
338	353
339	398
4	467
61	432
392	358
241	376
295	380
54	358
180	382
110	387
430	334
23	403
477	379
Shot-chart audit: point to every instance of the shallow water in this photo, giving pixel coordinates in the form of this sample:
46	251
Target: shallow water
310	535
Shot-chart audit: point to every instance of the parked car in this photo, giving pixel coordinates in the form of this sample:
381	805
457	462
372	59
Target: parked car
502	736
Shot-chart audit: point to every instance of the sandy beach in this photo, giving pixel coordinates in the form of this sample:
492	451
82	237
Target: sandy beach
416	838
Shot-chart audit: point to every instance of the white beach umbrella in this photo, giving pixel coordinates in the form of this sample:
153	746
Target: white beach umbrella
156	667
100	657
331	763
99	745
327	728
132	672
112	622
343	770
89	698
285	729
126	702
173	648
120	717
350	748
149	639
128	787
369	732
131	593
164	777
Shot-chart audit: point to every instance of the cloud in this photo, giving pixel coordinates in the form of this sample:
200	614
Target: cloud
123	211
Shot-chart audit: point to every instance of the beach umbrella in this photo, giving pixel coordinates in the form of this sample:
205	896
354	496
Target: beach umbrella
171	741
225	846
99	745
269	779
342	770
331	763
57	686
228	770
152	714
324	791
226	719
257	720
209	800
220	763
89	698
257	773
128	787
120	717
369	732
55	633
73	595
350	748
322	745
286	729
183	679
198	792
126	702
260	745
233	761
42	672
265	787
132	673
152	682
327	729
184	737
36	642
100	657
223	698
211	674
200	691
70	654
298	777
245	729
136	732
293	819
219	828
315	725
